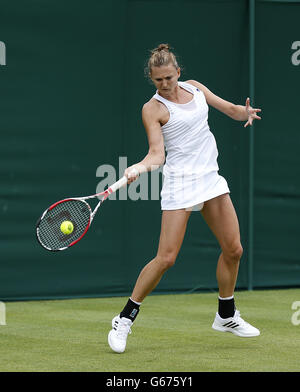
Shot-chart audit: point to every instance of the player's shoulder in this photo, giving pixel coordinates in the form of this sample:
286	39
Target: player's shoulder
151	108
152	104
195	83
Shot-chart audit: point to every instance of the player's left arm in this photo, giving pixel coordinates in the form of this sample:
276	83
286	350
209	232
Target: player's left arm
236	112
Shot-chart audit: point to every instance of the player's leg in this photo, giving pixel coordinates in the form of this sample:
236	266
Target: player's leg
220	215
173	227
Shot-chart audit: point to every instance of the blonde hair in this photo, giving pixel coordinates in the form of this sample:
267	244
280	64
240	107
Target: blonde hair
161	56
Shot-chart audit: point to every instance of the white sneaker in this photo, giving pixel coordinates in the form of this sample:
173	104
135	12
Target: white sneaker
117	337
236	325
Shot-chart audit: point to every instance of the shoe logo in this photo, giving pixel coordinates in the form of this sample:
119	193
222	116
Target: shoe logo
133	313
231	324
115	325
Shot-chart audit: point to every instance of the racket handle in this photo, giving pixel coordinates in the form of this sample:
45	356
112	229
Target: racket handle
117	185
122	182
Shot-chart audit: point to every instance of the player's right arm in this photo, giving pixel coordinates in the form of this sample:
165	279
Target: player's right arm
155	157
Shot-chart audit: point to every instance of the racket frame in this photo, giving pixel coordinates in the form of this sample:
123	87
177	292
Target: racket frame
113	188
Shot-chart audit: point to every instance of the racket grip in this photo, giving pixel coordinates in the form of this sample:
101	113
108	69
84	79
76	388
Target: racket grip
117	185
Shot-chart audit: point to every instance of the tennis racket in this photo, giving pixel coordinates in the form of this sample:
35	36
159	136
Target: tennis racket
75	210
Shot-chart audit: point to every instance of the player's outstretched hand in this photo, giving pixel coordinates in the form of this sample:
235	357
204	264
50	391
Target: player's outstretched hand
251	113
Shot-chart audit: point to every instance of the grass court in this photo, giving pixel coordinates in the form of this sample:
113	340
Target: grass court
171	334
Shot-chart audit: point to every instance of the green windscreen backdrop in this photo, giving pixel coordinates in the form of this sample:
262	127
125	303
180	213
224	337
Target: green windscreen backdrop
72	89
277	141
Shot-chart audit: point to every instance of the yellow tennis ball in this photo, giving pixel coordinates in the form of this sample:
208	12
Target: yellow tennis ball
67	227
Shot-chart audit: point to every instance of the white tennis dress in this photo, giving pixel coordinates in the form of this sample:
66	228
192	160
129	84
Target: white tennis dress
191	169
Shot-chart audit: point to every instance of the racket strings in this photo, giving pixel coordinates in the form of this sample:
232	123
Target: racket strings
49	233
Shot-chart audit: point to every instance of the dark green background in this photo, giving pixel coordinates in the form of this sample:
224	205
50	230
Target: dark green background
71	97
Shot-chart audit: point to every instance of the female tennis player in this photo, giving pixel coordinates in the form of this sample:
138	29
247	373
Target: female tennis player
176	119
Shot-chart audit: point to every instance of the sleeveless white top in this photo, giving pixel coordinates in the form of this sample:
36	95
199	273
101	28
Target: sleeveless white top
191	169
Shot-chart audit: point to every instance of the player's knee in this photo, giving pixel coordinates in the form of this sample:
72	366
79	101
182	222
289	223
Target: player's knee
234	252
166	260
237	252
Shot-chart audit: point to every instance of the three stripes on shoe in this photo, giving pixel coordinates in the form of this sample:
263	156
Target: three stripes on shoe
231	324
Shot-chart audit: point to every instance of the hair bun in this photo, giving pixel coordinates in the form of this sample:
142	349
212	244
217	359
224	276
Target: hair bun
161	47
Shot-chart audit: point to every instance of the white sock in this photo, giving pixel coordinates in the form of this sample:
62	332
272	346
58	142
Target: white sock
138	303
226	297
